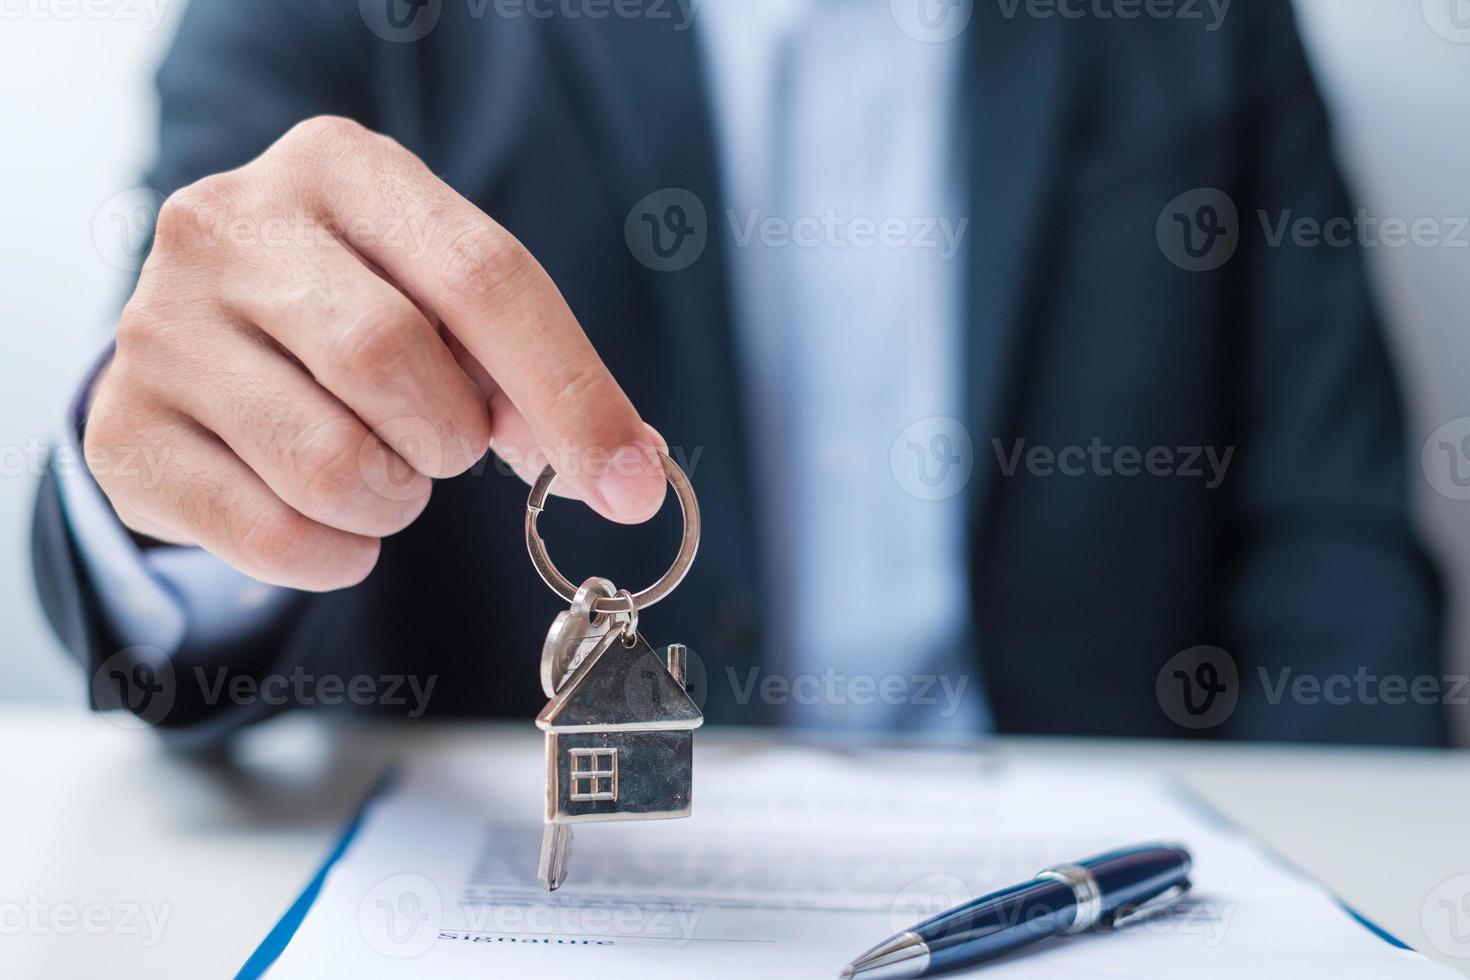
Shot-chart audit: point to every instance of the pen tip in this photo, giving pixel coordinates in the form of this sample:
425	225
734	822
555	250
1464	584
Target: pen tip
903	955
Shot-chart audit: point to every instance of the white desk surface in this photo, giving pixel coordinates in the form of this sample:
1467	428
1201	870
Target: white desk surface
92	814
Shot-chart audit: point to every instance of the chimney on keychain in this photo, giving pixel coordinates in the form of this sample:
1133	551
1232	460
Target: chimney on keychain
677	659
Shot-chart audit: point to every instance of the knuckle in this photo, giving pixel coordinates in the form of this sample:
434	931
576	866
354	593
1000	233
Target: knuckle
119	427
381	340
104	438
194	215
309	300
421	448
311	154
393	478
104	426
483	261
137	328
326	463
278	541
325	133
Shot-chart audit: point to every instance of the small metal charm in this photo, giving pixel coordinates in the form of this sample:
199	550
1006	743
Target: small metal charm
620	724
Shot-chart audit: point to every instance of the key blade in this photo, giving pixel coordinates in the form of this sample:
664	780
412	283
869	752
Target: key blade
556	844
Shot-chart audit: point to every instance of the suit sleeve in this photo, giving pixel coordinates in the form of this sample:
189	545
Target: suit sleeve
1327	579
164	632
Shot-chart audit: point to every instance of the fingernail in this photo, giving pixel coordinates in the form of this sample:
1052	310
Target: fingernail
632	485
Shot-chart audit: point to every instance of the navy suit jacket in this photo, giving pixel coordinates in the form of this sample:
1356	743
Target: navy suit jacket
1078	328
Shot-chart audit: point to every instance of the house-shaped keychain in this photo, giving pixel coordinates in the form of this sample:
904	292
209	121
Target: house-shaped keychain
619	743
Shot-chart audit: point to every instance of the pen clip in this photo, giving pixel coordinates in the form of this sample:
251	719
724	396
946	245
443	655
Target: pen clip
1129	914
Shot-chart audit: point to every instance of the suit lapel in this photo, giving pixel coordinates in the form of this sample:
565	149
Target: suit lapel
1018	103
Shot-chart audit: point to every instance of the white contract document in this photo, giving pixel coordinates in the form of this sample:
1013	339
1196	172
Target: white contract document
794	862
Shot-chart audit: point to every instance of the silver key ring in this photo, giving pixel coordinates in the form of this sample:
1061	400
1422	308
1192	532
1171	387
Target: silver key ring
563	587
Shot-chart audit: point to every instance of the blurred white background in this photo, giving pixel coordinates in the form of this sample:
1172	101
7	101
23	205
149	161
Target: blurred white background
78	110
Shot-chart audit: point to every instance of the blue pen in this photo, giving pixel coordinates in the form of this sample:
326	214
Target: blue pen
1105	890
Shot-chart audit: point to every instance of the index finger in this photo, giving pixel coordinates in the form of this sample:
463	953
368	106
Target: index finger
498	301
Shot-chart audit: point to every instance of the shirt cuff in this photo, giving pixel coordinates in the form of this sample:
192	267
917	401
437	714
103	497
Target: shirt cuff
150	596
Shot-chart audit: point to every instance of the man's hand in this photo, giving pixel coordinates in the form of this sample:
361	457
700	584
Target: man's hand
303	364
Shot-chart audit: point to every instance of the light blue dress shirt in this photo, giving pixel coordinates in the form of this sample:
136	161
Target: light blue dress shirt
845	213
844	217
